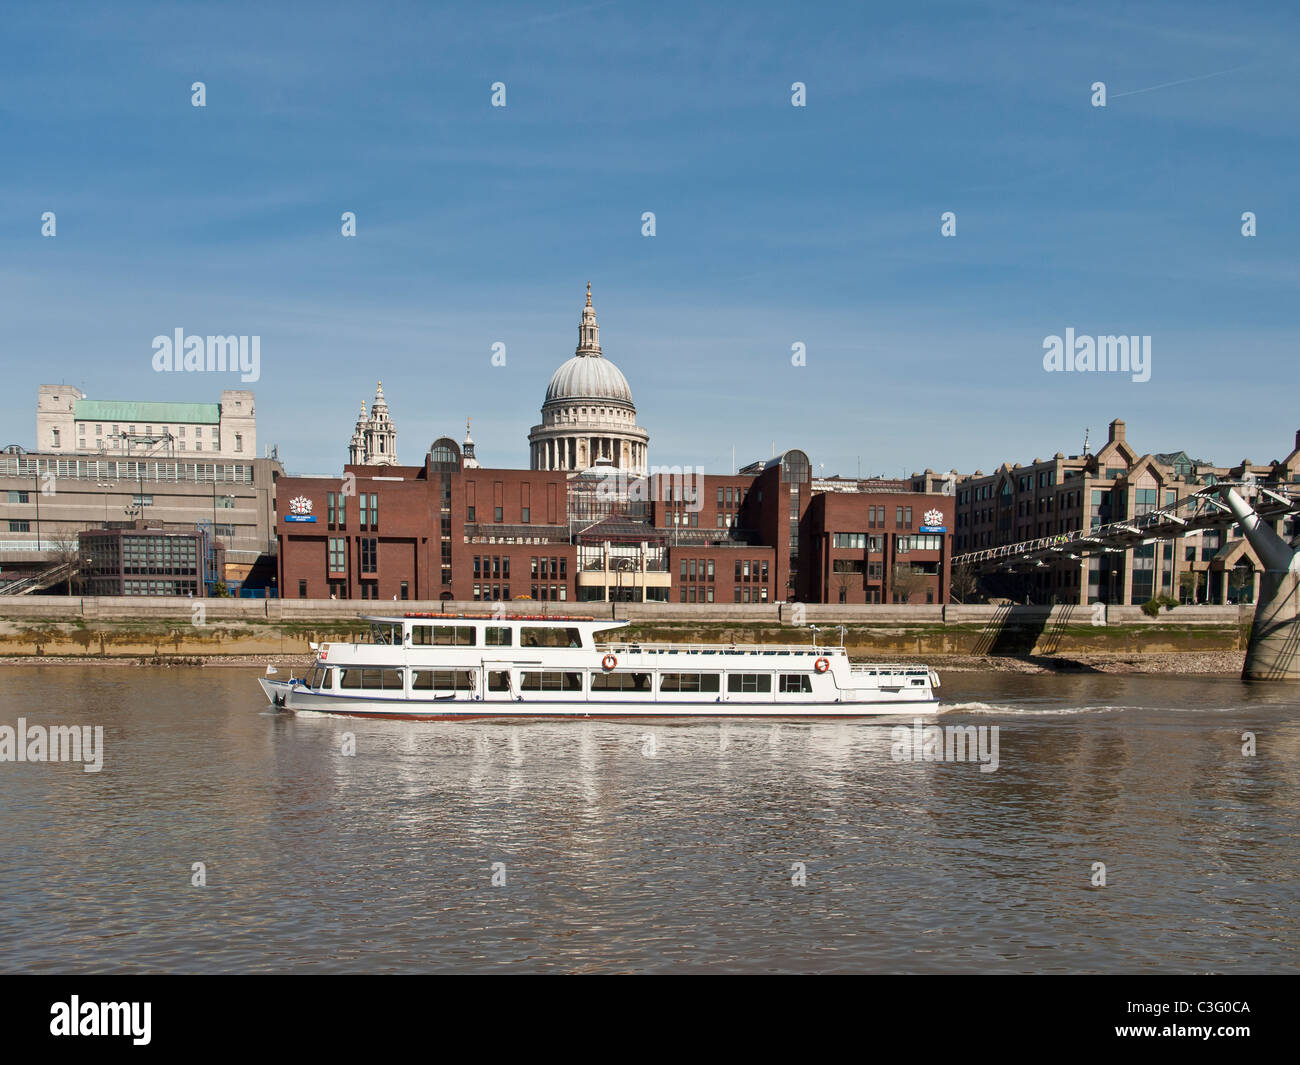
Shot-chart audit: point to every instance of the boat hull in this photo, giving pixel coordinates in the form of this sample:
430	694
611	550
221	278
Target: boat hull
301	699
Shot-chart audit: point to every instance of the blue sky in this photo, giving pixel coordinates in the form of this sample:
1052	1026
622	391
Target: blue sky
775	224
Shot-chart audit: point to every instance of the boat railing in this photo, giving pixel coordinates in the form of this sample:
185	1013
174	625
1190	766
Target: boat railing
891	669
635	647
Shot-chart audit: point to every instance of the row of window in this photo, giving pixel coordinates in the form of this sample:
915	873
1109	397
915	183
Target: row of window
126	470
350	678
336	510
544	592
875	544
138	587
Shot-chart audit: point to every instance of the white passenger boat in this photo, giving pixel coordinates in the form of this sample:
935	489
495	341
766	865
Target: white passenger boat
462	666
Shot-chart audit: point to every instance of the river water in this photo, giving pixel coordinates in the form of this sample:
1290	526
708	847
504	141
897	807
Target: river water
676	853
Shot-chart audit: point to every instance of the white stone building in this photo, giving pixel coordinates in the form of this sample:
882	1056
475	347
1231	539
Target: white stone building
588	414
67	423
374	440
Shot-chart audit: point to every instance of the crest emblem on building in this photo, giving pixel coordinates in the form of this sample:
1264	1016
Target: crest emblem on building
934	517
300	505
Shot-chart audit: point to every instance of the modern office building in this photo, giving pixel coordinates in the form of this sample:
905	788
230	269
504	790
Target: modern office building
186	468
146	559
46	500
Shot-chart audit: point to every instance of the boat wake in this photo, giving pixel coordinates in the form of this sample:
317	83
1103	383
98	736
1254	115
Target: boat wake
1069	711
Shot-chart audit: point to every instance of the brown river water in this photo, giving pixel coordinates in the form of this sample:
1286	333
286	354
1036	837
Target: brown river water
638	847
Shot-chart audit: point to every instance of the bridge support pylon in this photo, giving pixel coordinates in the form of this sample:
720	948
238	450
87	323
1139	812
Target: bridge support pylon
1273	652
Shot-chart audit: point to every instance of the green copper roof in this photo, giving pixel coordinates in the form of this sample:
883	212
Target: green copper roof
107	410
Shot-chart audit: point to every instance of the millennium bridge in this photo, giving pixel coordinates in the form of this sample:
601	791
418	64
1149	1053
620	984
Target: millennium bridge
1273	651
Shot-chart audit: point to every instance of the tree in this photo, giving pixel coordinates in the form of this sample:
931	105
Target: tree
963	581
1190	584
844	582
908	581
65	553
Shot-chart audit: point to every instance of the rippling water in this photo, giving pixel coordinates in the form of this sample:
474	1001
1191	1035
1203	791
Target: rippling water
615	860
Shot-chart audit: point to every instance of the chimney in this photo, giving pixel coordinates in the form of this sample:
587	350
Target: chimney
1117	431
1297	439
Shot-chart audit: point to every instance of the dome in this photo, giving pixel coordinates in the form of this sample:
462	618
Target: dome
588	377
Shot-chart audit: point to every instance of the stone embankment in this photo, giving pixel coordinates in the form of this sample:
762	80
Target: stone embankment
160	631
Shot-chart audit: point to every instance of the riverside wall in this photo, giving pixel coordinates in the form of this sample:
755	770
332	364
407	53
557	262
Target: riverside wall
134	627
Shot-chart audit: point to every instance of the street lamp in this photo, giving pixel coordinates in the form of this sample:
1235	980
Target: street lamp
620	567
105	485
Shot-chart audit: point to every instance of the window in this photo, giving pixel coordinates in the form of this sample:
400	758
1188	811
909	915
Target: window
443	635
442	680
621	682
497	636
18	497
302	588
550	681
369	554
338	555
19	525
540	636
239	441
797	683
365	517
689	682
849	540
749	683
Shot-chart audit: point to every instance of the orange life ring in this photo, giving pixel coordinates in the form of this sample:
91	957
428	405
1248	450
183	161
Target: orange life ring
608	662
821	665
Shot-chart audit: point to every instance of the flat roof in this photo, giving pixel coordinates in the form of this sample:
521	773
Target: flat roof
112	410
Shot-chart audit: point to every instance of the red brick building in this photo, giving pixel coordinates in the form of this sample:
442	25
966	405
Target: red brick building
452	530
879	547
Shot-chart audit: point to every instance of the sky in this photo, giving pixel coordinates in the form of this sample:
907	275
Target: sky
775	225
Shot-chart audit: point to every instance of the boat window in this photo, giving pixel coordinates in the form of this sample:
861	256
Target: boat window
749	682
499	680
443	680
621	682
494	636
689	682
796	682
372	679
385	633
442	635
547	636
550	681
